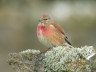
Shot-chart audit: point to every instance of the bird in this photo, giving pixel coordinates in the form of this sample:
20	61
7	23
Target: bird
50	33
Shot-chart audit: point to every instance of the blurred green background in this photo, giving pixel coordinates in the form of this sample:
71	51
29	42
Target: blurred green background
19	20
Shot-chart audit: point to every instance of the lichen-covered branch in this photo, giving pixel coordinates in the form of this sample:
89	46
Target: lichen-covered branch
58	59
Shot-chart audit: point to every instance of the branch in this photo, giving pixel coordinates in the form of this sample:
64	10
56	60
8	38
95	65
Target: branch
58	59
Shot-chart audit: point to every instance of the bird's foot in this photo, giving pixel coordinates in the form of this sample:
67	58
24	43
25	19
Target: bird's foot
45	51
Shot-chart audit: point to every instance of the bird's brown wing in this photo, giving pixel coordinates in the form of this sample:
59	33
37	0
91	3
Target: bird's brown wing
66	39
58	27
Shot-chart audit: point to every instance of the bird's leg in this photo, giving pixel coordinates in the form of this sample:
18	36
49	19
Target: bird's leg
45	50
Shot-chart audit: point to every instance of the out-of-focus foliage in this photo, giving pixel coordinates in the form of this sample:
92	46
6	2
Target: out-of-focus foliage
19	19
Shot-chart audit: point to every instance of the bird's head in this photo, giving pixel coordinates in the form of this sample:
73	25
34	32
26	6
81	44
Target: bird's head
45	19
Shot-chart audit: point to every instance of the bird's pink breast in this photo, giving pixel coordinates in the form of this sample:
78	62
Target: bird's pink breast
43	30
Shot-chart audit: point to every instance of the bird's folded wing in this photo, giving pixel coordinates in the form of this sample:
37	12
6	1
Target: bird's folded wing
58	27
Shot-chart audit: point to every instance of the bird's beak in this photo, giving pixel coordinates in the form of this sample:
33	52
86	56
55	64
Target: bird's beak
40	20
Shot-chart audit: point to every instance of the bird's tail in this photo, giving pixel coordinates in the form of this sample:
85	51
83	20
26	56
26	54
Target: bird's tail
66	44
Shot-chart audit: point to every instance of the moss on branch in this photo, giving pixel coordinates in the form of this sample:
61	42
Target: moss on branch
58	59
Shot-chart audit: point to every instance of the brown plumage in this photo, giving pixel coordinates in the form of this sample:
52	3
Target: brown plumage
62	31
50	33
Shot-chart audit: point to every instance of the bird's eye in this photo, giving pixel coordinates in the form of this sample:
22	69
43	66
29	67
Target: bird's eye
45	19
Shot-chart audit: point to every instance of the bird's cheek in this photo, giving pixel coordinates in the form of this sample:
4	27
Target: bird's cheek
47	22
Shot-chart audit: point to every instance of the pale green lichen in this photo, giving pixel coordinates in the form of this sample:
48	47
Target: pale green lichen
58	59
25	61
30	51
67	59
